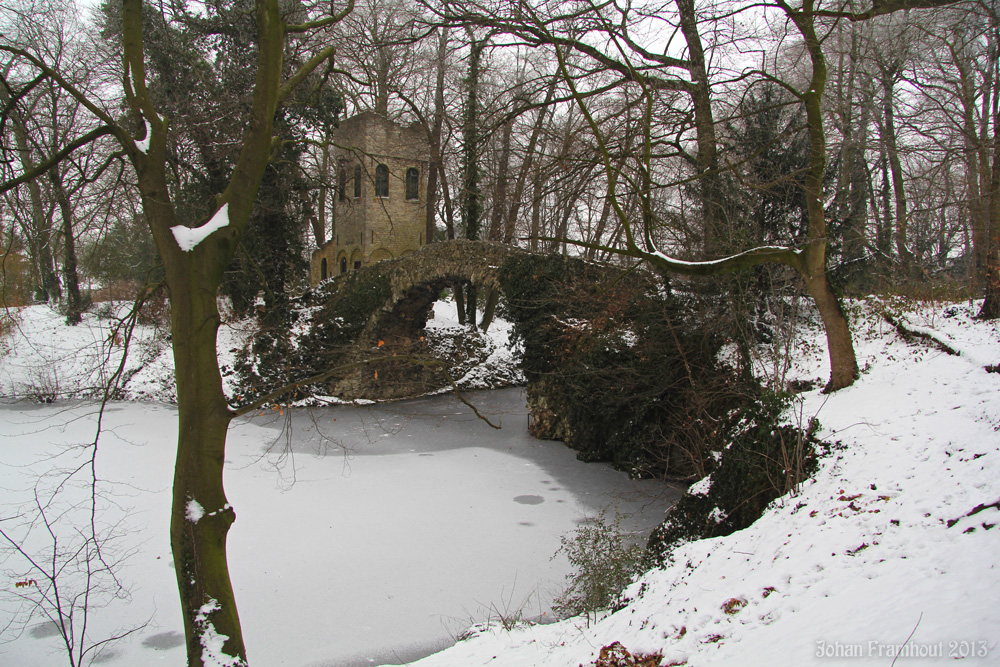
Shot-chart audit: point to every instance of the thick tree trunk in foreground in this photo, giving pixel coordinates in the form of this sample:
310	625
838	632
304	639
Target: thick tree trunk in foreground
194	262
201	514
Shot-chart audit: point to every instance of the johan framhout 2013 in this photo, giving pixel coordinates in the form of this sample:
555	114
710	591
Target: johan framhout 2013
954	649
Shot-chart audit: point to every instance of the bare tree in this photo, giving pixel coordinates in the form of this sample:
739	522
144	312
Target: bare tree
40	116
195	249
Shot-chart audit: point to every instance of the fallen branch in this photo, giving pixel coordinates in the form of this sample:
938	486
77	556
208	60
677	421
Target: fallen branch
436	364
974	511
909	335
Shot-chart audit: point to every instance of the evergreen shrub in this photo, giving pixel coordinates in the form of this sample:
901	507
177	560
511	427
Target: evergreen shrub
604	562
615	366
765	459
275	357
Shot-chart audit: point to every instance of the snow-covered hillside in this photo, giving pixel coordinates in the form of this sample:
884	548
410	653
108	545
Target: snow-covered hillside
890	549
44	359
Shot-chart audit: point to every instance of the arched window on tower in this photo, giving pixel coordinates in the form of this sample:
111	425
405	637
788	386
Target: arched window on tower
322	269
381	181
342	183
412	184
357	182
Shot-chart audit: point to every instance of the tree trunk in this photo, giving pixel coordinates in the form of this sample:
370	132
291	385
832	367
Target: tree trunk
319	220
471	198
489	308
495	232
977	212
851	196
906	258
859	187
40	229
202	516
527	165
430	226
843	360
991	304
74	301
713	210
50	287
537	196
883	238
987	176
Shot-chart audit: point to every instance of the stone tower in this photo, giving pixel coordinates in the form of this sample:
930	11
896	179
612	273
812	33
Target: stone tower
379	208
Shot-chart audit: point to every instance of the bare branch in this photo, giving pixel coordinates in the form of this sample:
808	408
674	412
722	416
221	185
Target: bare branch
322	23
58	157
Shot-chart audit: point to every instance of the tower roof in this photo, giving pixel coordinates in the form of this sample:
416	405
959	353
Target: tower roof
369	133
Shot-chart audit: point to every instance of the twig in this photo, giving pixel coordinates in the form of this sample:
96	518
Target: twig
912	632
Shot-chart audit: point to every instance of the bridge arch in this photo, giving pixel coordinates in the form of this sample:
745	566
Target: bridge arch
381	309
415	281
360	320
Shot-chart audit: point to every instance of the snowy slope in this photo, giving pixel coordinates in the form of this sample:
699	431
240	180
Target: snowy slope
45	357
883	552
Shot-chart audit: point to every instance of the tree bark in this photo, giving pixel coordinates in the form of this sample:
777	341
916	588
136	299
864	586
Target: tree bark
74	301
201	515
843	360
713	209
991	304
319	219
430	226
990	309
471	197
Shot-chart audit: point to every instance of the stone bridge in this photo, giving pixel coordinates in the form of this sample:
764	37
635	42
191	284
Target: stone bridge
408	286
607	352
381	309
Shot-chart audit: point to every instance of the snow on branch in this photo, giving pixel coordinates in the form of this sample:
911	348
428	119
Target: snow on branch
761	251
188	238
143	144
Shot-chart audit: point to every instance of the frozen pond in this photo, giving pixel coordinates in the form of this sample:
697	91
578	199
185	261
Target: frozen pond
364	535
435	520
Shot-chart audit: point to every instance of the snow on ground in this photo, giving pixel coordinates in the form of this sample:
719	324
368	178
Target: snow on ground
47	359
500	364
891	548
